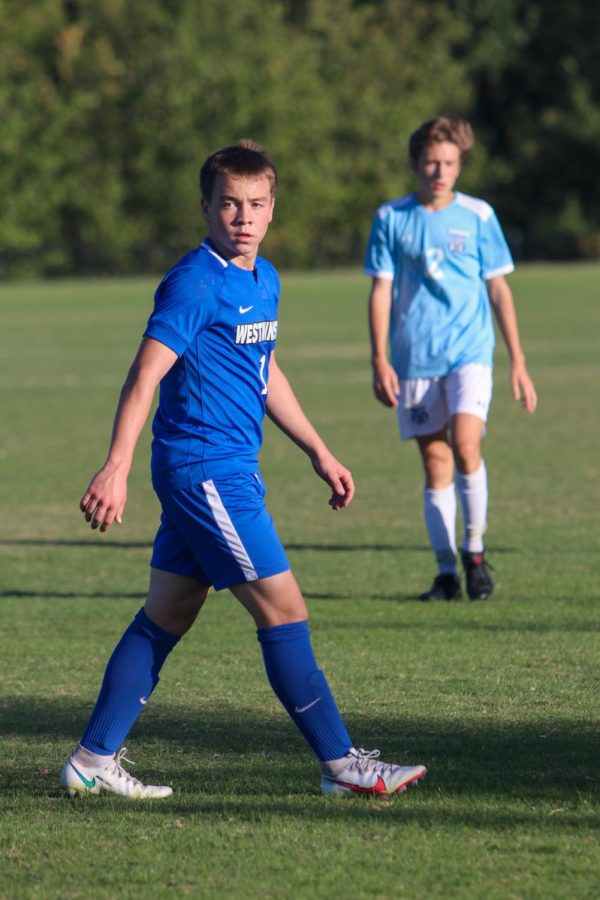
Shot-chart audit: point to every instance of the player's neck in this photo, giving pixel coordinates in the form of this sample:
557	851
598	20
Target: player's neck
242	261
432	203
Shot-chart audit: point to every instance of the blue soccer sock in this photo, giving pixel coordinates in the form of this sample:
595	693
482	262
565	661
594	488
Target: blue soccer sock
302	688
131	676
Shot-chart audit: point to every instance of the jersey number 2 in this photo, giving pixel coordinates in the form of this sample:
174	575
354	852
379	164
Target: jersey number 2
433	263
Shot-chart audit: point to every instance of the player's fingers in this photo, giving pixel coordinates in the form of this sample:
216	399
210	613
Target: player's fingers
109	518
83	503
343	491
393	388
90	508
349	489
99	515
530	400
385	394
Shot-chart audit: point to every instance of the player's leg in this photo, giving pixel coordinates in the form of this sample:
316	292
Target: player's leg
234	541
279	612
439	510
132	673
278	609
469	395
423	415
471	478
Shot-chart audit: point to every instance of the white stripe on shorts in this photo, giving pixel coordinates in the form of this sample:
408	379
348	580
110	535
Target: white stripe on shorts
228	531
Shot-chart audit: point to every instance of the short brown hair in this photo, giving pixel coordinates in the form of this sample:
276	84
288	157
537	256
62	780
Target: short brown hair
244	159
442	128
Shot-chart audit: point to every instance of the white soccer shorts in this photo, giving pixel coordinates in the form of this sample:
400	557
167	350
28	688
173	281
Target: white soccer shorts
427	405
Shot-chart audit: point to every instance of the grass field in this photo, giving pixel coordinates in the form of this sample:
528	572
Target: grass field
499	699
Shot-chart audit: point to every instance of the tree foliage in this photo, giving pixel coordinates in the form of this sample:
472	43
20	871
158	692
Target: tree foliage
109	107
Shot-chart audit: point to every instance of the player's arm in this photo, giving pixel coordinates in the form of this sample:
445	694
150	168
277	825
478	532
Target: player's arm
385	380
104	500
285	411
503	305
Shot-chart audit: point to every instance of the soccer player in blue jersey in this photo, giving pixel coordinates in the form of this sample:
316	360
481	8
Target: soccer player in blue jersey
210	345
438	261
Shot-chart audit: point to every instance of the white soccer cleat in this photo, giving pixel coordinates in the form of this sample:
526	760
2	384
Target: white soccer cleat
364	774
108	776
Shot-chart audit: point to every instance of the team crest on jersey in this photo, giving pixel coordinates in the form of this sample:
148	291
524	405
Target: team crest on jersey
418	415
256	332
457	240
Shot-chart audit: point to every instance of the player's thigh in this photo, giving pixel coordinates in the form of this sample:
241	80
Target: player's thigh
469	394
468	390
276	600
222	532
422	409
174	600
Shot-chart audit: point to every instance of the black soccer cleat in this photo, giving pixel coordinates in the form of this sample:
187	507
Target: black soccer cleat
477	573
444	587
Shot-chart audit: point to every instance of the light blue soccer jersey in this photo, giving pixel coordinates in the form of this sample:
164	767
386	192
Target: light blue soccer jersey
438	263
221	321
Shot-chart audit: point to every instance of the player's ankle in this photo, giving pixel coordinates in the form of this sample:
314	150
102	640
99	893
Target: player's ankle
335	766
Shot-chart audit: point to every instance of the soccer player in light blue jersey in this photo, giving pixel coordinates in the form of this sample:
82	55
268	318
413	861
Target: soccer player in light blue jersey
438	261
210	345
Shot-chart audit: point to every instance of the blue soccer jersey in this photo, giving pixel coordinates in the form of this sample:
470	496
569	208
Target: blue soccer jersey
438	262
221	321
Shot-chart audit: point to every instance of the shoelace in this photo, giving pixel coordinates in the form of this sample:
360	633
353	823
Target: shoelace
116	768
366	759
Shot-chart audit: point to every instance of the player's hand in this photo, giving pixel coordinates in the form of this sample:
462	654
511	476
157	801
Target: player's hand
385	383
104	501
338	477
522	388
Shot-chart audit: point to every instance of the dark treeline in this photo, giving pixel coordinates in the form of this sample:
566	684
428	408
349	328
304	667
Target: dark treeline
107	108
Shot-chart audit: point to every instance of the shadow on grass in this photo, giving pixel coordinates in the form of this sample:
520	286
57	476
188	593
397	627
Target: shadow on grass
77	595
93	543
100	543
245	754
457	625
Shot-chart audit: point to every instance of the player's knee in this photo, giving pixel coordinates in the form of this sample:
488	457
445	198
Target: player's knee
439	468
467	456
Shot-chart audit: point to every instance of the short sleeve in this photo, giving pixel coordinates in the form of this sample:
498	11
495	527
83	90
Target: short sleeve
495	256
379	260
183	306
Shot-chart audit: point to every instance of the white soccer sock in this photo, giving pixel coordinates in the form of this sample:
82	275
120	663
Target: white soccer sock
473	492
439	508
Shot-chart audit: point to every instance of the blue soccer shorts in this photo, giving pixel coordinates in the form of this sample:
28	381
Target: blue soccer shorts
219	532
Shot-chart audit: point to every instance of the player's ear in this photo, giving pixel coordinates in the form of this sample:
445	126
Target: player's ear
204	207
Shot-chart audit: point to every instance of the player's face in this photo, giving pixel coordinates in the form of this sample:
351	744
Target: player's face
238	216
437	169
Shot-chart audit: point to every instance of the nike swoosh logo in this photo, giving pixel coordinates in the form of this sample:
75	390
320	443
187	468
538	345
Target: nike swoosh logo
378	788
143	701
86	781
245	309
302	709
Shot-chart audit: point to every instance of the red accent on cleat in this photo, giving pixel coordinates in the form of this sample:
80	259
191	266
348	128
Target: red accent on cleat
378	788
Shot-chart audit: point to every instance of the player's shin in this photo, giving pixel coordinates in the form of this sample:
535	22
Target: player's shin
302	688
473	492
131	675
439	509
